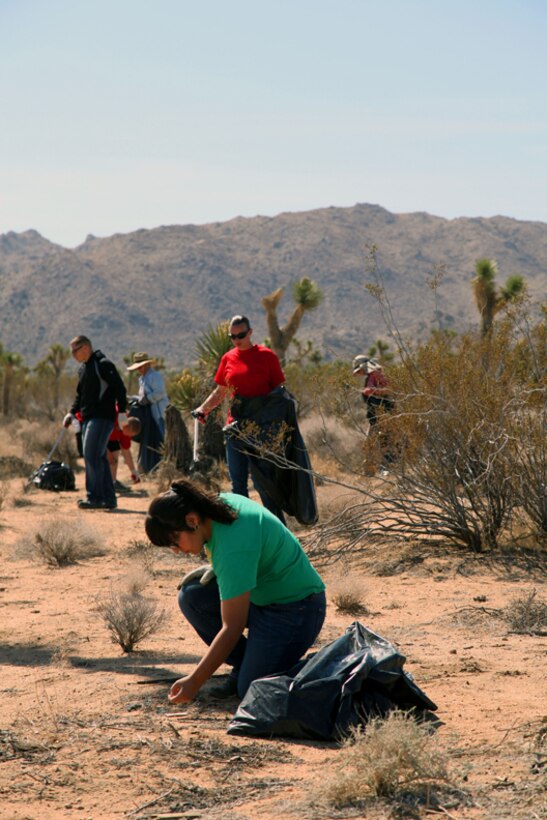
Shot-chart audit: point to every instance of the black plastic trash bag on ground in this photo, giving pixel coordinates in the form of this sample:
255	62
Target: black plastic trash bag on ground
53	475
357	676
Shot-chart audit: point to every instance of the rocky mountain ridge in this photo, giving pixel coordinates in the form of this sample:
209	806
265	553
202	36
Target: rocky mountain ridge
158	289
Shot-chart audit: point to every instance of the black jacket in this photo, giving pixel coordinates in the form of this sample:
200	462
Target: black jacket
100	388
292	488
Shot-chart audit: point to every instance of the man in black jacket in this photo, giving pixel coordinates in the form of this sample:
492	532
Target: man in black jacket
99	393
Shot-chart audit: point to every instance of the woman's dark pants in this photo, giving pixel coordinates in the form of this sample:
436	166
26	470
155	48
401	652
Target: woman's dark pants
278	634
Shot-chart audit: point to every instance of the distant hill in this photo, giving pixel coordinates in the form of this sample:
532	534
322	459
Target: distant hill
157	290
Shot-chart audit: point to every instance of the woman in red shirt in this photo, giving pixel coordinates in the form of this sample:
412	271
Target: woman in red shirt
248	370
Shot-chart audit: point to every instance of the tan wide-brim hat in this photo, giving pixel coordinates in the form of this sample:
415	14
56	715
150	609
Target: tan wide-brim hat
139	359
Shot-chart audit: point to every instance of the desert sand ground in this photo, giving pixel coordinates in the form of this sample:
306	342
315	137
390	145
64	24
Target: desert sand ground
80	737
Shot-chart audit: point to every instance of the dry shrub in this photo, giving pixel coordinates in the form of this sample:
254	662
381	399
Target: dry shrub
347	595
458	467
332	501
529	431
21	501
62	542
4	491
13	467
130	617
137	580
38	439
527	615
24	499
165	473
393	757
331	445
144	552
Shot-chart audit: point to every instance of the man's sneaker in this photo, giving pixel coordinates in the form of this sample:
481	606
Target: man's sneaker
86	504
112	505
121	488
226	689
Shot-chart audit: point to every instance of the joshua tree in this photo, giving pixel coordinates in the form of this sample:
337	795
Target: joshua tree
307	296
9	364
488	297
381	351
53	365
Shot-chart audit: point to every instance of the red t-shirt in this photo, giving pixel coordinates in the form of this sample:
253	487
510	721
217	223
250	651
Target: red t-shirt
248	373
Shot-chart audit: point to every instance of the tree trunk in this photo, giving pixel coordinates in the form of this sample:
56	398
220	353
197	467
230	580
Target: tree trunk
212	440
6	391
289	331
270	303
177	444
280	338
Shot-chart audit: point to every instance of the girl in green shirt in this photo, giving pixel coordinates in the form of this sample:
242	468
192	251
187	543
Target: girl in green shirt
263	582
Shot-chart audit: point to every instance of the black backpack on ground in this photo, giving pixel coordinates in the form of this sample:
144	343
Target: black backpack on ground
53	475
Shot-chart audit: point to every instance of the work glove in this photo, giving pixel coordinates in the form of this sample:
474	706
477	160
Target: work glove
205	574
68	419
76	426
122	419
199	414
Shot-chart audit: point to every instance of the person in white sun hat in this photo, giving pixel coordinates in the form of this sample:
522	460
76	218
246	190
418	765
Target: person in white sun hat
376	395
152	390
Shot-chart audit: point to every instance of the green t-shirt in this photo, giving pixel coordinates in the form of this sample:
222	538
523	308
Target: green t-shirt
257	553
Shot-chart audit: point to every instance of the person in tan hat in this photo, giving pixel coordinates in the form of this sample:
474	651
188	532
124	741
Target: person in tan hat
152	390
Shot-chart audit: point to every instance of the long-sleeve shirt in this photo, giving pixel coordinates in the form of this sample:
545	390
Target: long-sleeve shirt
100	388
375	384
152	388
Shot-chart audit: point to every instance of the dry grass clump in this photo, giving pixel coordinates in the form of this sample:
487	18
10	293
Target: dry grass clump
144	552
24	500
137	580
38	441
62	542
331	445
347	596
4	490
393	757
130	617
21	501
527	614
13	466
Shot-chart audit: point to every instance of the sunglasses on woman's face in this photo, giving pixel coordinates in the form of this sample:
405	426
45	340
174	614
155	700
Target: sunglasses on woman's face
239	335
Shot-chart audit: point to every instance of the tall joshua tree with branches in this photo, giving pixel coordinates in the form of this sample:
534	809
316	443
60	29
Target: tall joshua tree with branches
10	363
307	296
53	365
488	297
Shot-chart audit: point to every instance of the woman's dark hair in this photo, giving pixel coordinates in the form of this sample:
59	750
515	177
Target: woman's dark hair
167	512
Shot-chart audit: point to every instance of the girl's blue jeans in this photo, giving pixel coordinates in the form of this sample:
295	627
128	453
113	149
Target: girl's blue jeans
278	635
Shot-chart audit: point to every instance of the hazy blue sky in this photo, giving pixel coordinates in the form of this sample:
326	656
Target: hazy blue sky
125	114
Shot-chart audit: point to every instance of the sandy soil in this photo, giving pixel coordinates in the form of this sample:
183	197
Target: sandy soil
82	737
